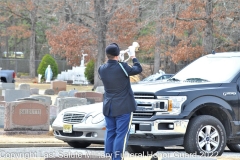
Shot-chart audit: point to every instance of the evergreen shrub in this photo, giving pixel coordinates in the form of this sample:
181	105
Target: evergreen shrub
47	60
89	71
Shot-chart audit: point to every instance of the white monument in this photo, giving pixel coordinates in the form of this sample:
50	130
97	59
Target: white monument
48	74
78	73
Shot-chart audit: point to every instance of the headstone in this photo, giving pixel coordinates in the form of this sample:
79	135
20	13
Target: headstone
4	86
58	86
53	113
13	95
34	91
26	115
100	89
90	101
96	96
2	115
62	94
27	99
45	99
23	86
63	103
1	98
72	92
49	92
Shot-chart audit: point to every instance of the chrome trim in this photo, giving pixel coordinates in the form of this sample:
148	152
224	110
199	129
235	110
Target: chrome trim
144	96
179	127
73	118
152	105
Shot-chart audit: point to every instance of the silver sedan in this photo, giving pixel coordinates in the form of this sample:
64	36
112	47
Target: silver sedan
80	126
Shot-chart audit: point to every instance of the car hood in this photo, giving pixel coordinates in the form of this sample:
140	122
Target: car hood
96	107
173	87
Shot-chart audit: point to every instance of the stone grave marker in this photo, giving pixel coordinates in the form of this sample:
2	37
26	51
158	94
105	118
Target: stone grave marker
58	86
24	86
61	94
4	86
42	98
1	98
96	96
26	116
53	113
13	95
34	91
63	103
72	92
49	92
2	115
100	89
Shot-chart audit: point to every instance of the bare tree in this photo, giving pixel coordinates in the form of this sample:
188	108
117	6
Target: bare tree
157	53
33	17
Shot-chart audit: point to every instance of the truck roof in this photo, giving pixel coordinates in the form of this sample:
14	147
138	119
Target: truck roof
225	54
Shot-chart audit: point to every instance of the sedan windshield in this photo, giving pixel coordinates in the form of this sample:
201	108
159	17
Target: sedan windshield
210	69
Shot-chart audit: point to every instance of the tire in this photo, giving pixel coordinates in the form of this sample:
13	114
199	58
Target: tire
234	147
205	136
145	150
76	144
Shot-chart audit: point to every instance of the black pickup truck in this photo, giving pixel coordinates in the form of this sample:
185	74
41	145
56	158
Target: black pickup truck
198	108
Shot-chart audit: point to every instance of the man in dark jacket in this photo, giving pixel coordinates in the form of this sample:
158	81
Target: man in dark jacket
119	102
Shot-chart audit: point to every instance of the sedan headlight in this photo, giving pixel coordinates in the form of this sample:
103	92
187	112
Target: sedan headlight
88	120
98	118
174	103
59	118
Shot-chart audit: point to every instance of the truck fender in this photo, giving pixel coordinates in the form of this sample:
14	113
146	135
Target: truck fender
4	75
199	103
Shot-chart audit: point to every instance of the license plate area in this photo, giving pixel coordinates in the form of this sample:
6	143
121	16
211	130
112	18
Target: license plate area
132	129
67	128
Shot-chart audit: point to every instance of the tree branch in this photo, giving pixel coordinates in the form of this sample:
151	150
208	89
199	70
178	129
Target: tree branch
190	19
112	10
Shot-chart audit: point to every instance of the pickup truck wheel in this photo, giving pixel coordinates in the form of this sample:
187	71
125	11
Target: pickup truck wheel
234	147
206	136
76	144
145	150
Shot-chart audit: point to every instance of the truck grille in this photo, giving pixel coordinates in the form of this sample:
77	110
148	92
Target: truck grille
144	96
73	118
142	114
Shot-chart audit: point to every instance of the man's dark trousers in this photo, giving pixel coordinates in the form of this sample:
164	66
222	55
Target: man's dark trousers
117	135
